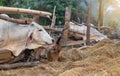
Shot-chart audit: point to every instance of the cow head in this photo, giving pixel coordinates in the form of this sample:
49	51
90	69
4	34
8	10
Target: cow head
38	35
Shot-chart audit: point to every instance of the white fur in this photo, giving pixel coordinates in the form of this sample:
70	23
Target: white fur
5	15
94	34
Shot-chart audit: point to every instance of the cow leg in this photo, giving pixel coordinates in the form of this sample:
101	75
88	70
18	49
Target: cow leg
5	56
18	58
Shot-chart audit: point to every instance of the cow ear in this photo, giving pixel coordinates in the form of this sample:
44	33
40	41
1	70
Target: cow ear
29	37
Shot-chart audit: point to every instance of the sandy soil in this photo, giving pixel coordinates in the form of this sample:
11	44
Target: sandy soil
102	59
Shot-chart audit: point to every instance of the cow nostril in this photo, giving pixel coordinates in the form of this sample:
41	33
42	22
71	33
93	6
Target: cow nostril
53	40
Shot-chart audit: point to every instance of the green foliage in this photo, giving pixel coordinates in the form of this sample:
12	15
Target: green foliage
47	5
60	8
1	2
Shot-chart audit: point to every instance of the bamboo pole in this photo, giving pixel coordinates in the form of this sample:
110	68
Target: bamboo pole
12	10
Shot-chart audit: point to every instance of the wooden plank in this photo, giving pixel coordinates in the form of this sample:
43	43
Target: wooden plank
12	10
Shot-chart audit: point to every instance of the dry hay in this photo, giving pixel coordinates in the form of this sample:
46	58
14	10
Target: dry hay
109	50
104	48
104	42
89	68
88	71
71	54
103	59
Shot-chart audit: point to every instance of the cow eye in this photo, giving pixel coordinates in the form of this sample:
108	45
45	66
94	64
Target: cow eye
32	24
40	29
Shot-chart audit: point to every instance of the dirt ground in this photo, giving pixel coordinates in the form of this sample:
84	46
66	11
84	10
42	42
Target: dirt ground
102	59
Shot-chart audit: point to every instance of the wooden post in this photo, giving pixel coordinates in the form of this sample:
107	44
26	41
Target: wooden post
36	18
100	17
66	26
53	18
88	25
53	22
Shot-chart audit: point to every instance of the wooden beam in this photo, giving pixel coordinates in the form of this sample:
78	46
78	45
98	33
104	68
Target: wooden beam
53	29
20	21
12	10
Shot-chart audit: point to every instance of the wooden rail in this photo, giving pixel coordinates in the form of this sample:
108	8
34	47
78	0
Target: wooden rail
12	10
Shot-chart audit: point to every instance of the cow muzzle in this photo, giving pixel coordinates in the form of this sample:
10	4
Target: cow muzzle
53	41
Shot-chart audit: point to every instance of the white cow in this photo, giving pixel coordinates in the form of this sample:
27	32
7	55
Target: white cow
81	32
17	37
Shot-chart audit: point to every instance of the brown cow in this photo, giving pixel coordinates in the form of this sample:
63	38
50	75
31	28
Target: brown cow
54	54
